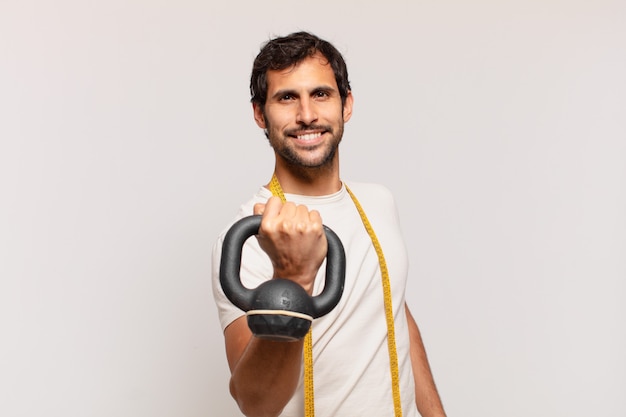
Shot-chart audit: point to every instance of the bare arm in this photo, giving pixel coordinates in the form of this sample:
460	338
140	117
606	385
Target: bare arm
426	395
265	374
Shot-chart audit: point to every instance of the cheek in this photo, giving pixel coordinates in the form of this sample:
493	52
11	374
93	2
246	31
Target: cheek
277	121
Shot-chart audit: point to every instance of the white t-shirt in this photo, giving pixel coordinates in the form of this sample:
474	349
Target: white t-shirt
350	354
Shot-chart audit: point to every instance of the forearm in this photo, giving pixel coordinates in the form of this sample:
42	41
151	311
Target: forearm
266	376
426	395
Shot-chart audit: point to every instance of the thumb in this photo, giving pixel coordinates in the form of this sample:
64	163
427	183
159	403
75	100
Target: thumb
259	208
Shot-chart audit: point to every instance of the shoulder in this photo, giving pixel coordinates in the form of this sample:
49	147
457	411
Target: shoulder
368	187
371	193
379	205
247	208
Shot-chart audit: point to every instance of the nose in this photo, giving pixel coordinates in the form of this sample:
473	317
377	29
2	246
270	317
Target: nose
307	112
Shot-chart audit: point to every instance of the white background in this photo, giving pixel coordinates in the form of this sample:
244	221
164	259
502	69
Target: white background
127	143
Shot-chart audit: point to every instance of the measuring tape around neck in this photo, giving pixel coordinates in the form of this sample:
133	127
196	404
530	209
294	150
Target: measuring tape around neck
309	403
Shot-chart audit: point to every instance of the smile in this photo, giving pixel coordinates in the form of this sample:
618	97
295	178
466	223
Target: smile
309	136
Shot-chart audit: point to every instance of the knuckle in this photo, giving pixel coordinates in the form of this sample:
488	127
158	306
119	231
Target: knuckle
317	227
286	226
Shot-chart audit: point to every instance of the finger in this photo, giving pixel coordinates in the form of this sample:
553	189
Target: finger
315	217
303	216
288	211
259	208
272	207
316	220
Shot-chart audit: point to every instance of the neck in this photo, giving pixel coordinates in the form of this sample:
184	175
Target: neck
308	181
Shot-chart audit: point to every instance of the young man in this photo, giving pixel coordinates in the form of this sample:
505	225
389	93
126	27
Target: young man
363	365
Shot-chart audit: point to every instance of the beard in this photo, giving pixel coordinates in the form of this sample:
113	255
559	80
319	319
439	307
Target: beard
302	157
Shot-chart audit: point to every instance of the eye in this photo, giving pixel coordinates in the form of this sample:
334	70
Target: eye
321	94
286	97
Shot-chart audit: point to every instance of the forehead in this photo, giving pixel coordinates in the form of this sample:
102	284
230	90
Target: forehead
310	73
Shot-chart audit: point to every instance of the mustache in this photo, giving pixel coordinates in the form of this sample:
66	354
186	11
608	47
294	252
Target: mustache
307	128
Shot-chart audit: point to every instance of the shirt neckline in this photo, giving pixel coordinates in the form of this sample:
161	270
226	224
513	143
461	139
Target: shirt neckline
309	199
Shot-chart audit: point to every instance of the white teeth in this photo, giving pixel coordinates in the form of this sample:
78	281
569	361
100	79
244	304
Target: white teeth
310	136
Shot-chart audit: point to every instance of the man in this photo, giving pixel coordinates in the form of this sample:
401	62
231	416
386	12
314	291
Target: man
301	97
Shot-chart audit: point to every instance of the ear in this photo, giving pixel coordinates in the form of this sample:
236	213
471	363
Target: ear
259	117
347	107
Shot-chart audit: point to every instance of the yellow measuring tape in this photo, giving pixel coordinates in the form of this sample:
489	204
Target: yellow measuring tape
391	333
309	403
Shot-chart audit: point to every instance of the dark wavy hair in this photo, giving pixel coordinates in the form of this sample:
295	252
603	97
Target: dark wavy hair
284	52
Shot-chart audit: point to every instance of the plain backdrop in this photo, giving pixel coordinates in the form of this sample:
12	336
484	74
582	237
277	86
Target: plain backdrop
127	143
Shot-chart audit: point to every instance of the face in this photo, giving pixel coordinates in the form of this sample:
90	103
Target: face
303	114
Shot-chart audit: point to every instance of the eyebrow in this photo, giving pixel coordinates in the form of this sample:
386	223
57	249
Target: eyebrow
292	92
